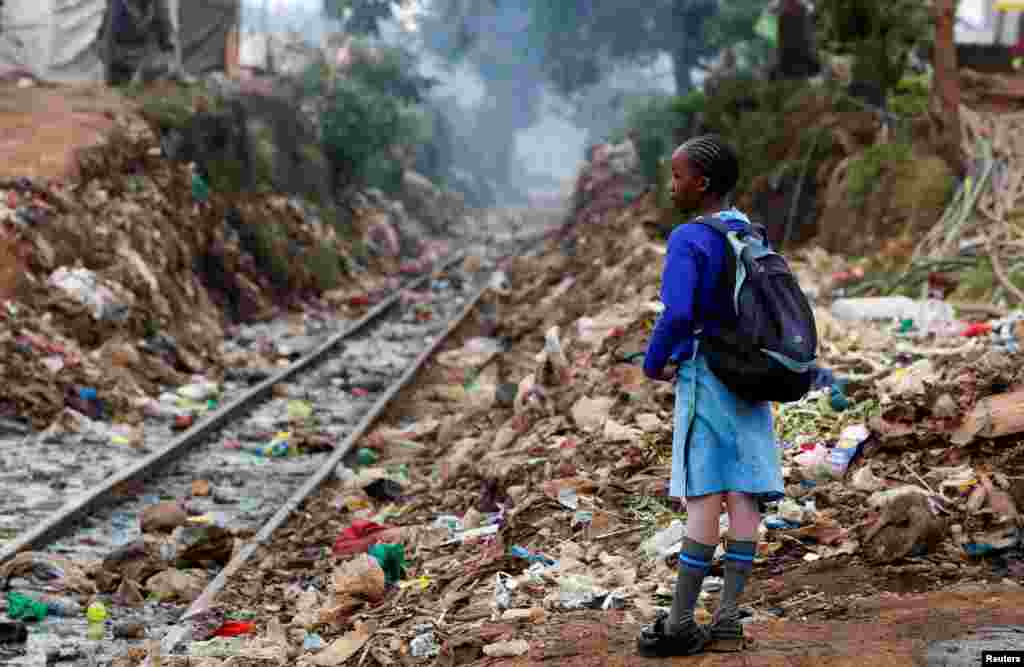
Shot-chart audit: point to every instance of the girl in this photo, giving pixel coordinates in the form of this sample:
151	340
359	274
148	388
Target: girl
723	447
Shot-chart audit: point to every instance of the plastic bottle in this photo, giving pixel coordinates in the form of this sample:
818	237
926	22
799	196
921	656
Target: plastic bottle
875	308
96	614
60	606
937	317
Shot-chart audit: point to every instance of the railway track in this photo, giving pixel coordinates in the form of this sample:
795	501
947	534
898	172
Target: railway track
316	409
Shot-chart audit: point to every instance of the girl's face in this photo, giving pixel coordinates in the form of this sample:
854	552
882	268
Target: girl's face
689	185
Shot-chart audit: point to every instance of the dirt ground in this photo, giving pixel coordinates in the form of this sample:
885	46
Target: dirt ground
42	127
894	632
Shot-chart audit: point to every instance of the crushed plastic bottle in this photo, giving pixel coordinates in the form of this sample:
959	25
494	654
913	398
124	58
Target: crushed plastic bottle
814	459
502	592
663	543
577	591
850	441
61	606
299	410
312	642
366	457
199	391
791	511
425	645
280	447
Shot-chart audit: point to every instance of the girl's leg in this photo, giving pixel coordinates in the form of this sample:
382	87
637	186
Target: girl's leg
702	515
679	633
741	546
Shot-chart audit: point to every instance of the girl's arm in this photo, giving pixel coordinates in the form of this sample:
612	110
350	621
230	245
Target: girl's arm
678	288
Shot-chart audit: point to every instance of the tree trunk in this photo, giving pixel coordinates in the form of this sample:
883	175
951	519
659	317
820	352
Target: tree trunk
682	66
796	58
946	89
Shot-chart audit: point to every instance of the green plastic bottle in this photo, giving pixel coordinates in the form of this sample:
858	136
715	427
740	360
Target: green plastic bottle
96	614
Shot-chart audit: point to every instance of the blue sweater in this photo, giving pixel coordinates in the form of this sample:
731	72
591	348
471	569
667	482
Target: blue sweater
691	291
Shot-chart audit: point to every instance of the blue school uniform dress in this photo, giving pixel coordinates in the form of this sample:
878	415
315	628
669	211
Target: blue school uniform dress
720	441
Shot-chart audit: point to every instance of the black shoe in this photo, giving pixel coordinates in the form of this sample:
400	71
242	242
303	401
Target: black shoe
656	642
13	632
726	635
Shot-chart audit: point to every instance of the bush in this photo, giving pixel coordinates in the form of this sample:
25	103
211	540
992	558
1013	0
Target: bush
370	110
658	123
326	267
911	96
268	244
865	171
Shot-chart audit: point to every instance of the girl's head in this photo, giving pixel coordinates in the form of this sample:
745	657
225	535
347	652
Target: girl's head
704	170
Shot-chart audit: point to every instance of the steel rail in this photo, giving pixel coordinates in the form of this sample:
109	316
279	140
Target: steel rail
177	633
59	523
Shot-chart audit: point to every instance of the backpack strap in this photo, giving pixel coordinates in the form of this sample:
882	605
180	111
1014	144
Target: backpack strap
752	229
715	224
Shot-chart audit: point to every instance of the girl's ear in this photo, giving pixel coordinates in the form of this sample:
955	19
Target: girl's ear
705	183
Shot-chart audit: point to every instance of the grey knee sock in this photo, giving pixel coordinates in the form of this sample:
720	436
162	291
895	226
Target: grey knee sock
694	562
739	561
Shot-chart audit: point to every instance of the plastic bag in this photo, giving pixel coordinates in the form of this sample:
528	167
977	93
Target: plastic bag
392	560
21	607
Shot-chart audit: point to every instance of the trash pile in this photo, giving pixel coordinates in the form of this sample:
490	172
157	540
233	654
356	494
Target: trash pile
608	180
128	281
524	476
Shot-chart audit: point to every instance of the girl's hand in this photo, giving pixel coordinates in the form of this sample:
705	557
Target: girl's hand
665	374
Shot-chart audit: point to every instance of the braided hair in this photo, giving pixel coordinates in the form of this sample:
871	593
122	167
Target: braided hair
716	160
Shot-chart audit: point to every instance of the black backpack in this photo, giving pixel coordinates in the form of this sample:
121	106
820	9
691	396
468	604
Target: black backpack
772	352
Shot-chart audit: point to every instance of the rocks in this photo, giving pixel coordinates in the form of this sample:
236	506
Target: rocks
129	630
129	594
181	585
197	544
424	201
162	517
135	562
507	649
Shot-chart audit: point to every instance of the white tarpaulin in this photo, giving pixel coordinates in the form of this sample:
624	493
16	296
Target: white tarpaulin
56	40
52	39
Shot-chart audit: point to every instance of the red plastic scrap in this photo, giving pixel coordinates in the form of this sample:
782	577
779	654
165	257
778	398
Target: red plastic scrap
977	329
235	628
359	537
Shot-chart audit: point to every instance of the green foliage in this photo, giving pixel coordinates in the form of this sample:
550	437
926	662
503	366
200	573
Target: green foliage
361	17
326	266
754	116
390	70
911	96
879	34
370	111
865	171
734	26
656	123
268	244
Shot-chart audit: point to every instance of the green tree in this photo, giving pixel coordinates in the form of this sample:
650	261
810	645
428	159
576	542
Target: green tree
879	34
582	40
361	17
492	36
369	113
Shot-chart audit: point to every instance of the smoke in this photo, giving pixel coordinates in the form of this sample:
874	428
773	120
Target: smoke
512	135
